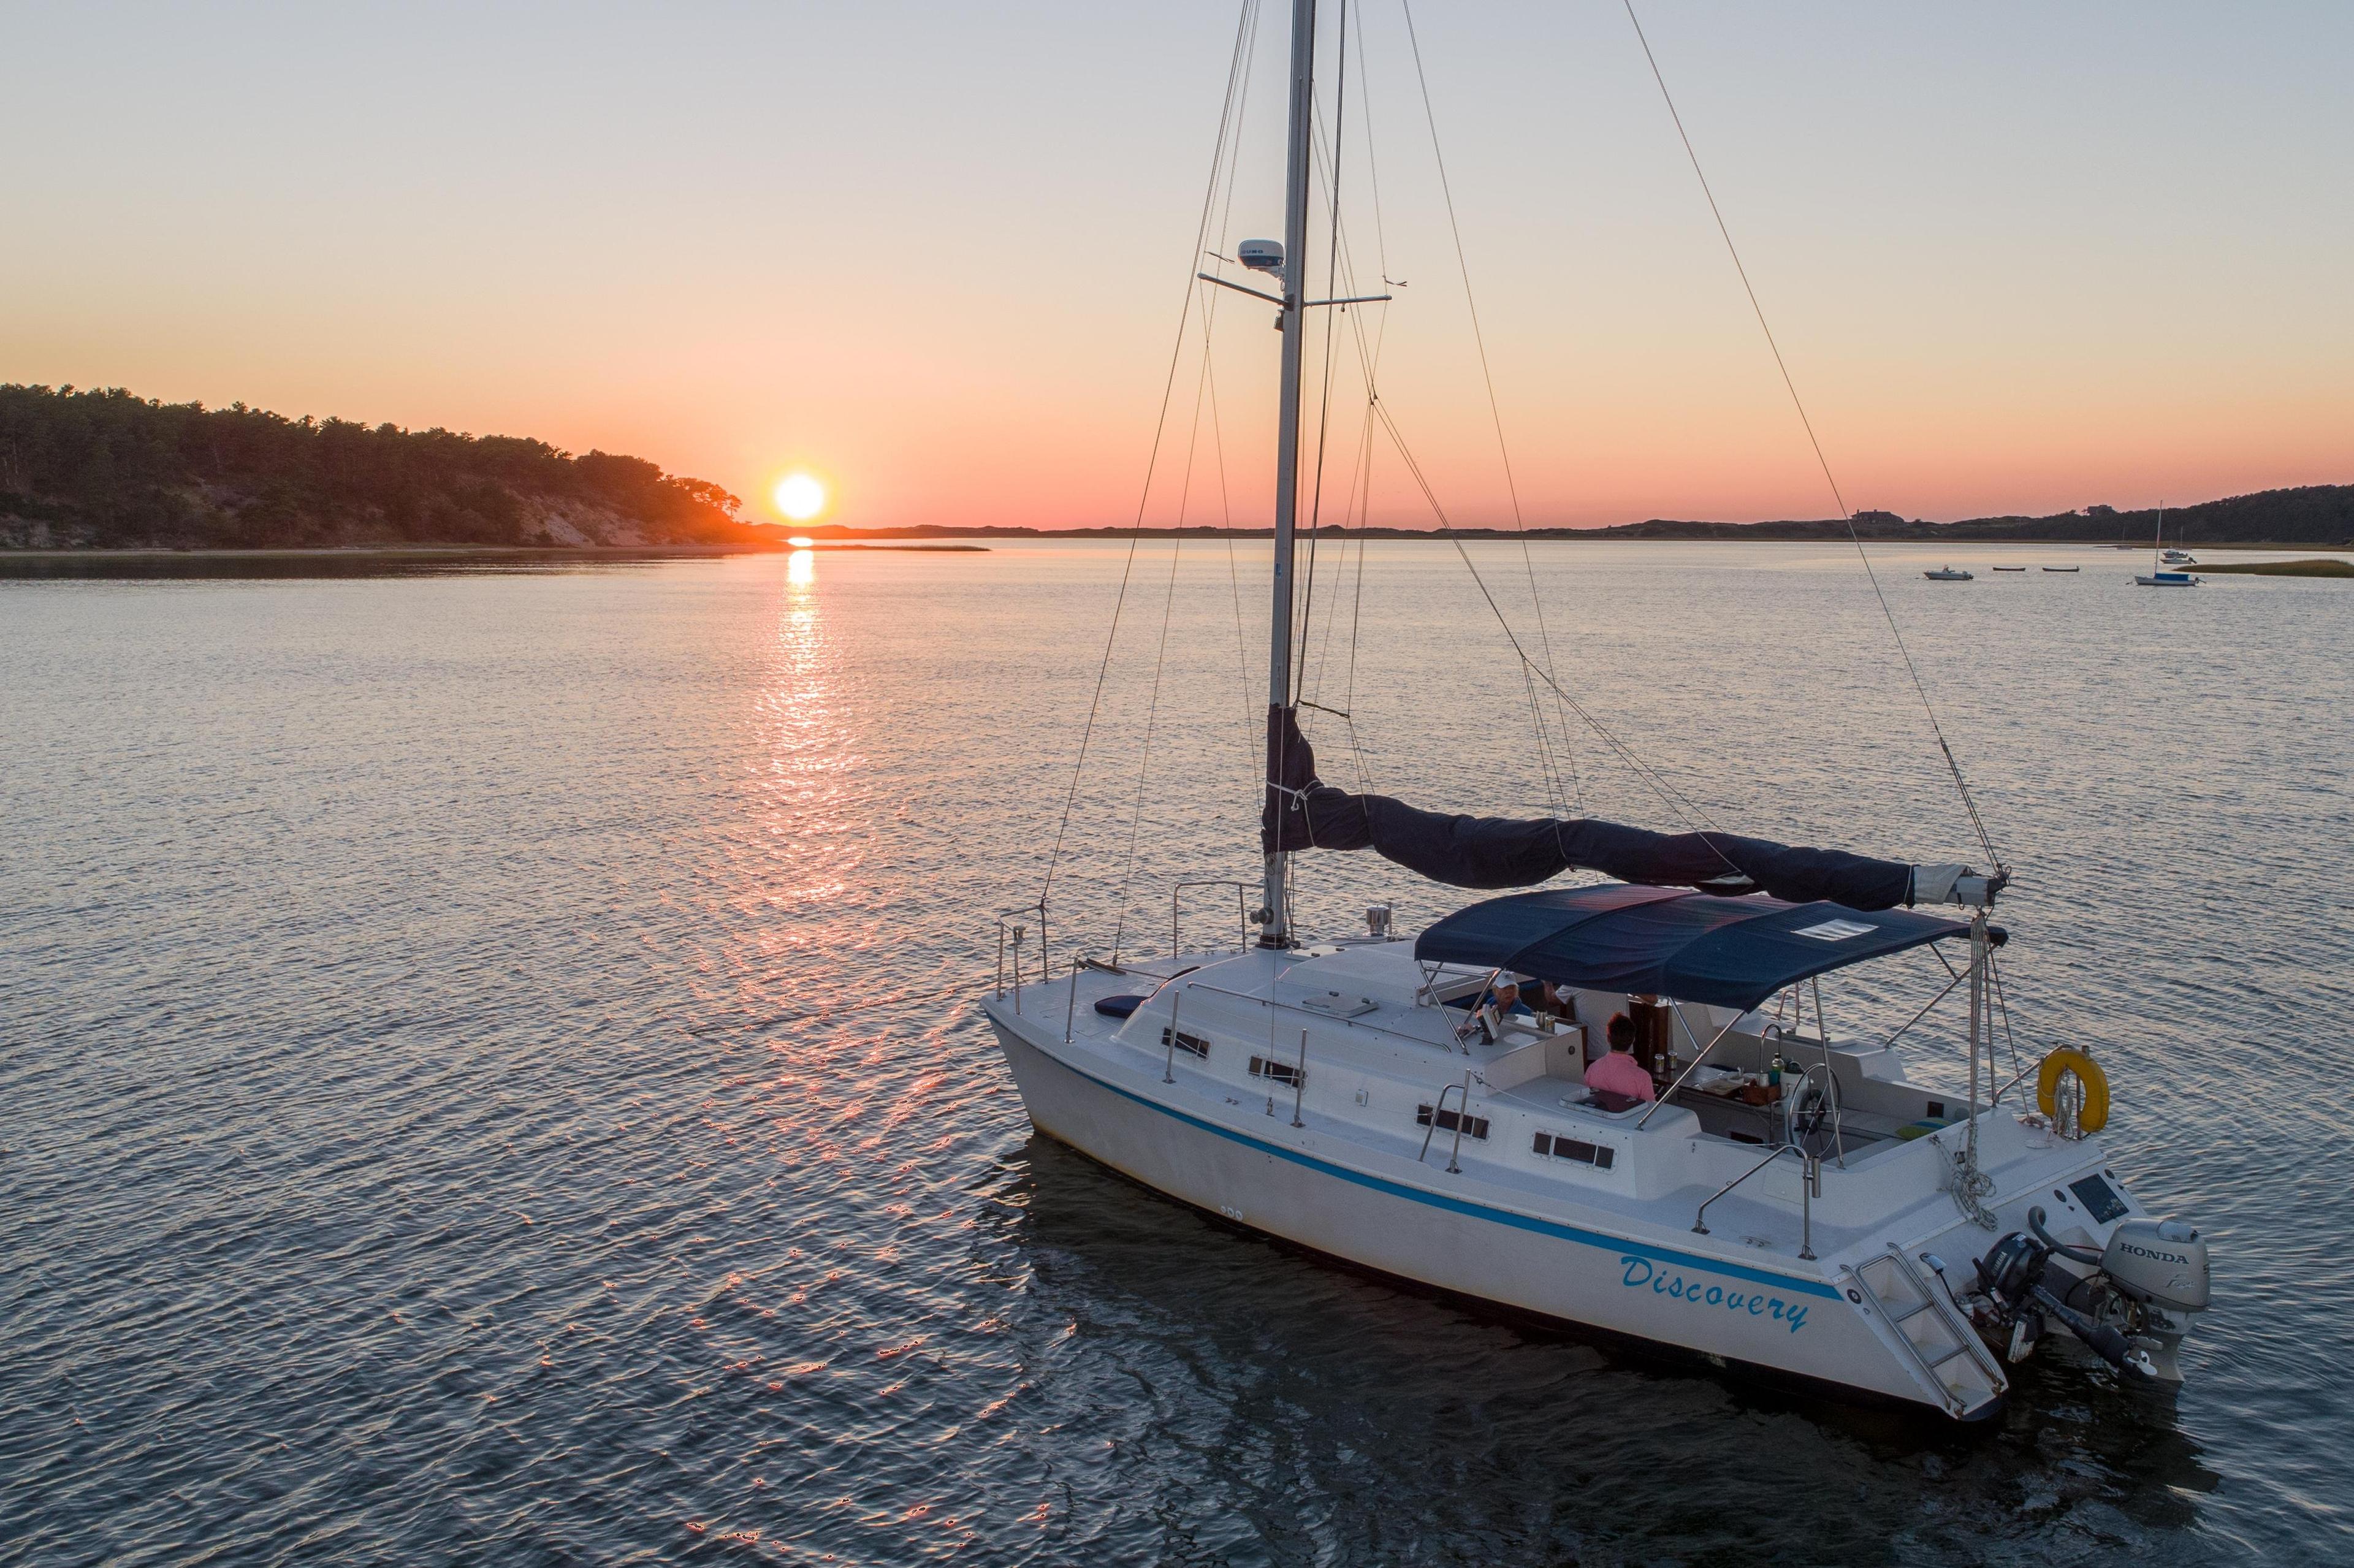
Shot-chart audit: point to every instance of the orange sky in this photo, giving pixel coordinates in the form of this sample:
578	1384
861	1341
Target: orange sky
2018	261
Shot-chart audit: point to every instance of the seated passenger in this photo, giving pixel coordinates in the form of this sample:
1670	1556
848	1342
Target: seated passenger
1504	997
1619	1074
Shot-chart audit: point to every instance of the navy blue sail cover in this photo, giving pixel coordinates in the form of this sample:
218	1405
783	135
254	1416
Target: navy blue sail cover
1656	941
1303	812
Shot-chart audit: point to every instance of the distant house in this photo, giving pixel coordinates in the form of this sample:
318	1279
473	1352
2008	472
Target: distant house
1877	517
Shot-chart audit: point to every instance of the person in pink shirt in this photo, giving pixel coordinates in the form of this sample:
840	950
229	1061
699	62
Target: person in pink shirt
1618	1073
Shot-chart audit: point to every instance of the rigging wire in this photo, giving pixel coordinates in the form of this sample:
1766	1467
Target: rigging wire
1372	365
1676	801
1675	798
1953	767
1369	360
1324	394
1495	408
1234	73
1342	276
1252	729
1204	394
1160	660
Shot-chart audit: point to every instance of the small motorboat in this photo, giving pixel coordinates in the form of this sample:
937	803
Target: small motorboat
2063	568
1947	575
2178	558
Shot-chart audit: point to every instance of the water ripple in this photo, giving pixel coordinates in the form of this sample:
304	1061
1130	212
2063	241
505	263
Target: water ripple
489	1068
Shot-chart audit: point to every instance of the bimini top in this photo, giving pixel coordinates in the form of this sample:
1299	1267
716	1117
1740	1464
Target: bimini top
1663	941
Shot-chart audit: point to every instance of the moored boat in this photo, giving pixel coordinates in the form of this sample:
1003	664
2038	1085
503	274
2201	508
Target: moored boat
1606	1104
2166	564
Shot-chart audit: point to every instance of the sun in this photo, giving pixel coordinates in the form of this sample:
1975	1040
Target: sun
799	497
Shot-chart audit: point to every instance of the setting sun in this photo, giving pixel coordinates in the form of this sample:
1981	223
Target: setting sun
800	497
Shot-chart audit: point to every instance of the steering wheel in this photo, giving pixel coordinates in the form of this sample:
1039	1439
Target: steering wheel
1806	1108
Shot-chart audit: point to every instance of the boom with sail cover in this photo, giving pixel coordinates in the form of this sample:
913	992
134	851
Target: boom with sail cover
1303	812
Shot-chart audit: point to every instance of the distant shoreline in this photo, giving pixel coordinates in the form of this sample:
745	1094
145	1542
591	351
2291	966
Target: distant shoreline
935	540
105	475
474	552
1534	535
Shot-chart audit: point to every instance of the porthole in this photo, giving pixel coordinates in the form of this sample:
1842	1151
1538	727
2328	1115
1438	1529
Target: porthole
1287	1074
1561	1145
1473	1126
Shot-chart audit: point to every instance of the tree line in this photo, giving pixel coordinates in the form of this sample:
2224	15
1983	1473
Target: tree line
105	468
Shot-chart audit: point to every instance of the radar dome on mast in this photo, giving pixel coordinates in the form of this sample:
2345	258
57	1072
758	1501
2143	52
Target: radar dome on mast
1261	256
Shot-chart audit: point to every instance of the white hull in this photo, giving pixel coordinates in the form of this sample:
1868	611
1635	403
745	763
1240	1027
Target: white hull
1510	1259
1733	1297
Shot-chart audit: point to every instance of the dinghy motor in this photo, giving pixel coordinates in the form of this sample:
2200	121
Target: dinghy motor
2130	1303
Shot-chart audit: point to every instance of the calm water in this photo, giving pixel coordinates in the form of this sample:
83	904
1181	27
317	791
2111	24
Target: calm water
489	1068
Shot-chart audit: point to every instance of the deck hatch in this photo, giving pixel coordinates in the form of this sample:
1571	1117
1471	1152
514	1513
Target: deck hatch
1475	1126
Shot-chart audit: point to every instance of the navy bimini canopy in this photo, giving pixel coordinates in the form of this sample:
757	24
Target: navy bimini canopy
1661	941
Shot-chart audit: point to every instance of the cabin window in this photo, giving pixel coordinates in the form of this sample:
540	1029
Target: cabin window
1475	1126
1564	1147
1287	1074
1191	1043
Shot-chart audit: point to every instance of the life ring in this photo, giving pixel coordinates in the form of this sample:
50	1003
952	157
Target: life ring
2095	1115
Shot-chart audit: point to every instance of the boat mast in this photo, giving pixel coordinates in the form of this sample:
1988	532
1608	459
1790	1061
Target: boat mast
1276	931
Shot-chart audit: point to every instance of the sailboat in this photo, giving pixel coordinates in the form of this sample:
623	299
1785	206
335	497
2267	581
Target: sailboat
2165	566
1601	1105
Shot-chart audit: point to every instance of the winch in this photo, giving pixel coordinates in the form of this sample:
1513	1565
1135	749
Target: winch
2130	1303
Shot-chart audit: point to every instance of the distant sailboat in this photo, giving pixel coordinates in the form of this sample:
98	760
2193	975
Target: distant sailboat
2159	558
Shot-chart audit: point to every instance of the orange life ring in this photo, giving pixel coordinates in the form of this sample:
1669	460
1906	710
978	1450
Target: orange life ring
2067	1059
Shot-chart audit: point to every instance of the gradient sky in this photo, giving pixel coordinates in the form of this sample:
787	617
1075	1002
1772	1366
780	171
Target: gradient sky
2020	257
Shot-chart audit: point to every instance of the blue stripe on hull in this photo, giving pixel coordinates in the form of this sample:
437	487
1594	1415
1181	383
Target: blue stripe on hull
1620	1245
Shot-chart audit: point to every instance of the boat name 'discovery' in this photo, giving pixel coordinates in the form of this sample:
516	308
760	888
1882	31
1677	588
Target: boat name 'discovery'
1756	1304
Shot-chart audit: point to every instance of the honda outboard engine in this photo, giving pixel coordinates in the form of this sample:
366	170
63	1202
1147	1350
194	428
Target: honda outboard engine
2130	1303
2159	1266
2160	1261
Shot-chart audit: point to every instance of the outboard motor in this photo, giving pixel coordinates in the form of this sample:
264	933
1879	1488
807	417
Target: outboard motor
2004	1310
2160	1267
2132	1312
